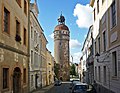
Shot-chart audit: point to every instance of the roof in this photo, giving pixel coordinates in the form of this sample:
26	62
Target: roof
61	27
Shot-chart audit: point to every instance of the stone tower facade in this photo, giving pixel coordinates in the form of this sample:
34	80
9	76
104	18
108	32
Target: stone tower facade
61	48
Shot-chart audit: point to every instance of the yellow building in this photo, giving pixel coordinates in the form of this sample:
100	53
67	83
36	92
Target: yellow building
50	68
14	46
43	67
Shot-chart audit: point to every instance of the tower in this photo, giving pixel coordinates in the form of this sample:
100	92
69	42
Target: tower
61	48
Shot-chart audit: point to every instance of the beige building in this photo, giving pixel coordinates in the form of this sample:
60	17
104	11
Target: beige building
14	46
61	48
106	36
43	66
50	68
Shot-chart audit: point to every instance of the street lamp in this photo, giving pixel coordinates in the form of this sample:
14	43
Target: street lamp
97	55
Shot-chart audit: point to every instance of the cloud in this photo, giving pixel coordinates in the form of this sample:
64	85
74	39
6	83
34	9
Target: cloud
84	15
74	43
52	36
76	57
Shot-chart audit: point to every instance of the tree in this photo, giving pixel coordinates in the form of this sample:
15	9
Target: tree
56	70
72	70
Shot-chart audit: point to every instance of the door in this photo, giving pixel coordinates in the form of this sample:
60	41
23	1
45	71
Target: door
17	80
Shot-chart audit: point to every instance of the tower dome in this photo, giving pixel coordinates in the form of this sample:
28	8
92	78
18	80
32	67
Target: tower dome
61	24
61	27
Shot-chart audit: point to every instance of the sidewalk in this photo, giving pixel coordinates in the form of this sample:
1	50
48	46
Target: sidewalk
44	89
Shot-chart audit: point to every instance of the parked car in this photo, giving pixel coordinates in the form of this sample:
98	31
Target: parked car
73	82
58	83
91	89
79	88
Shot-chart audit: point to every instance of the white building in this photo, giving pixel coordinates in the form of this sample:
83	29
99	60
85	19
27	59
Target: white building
35	51
106	37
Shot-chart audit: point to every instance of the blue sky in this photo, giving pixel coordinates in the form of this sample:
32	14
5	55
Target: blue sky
78	17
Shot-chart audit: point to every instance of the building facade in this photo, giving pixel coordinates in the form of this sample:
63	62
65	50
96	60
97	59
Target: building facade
61	48
50	68
43	66
89	59
14	46
36	31
106	45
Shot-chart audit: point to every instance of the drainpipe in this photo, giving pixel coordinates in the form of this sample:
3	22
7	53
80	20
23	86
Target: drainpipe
28	45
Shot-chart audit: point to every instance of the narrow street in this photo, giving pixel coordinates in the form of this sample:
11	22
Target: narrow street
63	88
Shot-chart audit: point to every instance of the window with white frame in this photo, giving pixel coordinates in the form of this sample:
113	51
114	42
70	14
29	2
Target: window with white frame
31	57
95	73
94	15
104	41
113	13
114	61
104	74
95	48
99	72
99	44
97	6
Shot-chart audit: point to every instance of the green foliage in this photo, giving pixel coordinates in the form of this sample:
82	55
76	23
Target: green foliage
72	70
56	69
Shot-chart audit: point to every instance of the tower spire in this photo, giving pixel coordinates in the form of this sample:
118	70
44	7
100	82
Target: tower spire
61	19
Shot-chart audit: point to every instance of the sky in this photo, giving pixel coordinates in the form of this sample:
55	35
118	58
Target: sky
78	18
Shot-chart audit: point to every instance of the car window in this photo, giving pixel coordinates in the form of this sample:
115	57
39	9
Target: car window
81	87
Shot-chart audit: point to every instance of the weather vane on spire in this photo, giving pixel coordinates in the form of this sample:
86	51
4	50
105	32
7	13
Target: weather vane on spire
61	19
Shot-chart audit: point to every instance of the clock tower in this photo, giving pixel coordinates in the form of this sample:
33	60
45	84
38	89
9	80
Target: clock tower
61	48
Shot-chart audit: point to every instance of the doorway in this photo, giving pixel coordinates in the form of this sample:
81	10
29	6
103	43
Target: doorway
17	80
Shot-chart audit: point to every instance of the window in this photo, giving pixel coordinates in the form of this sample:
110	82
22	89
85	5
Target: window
114	60
103	1
99	72
31	57
19	2
104	41
6	21
97	6
104	74
31	32
95	48
113	12
25	7
17	28
99	45
35	36
24	75
24	42
5	77
31	80
95	73
94	15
